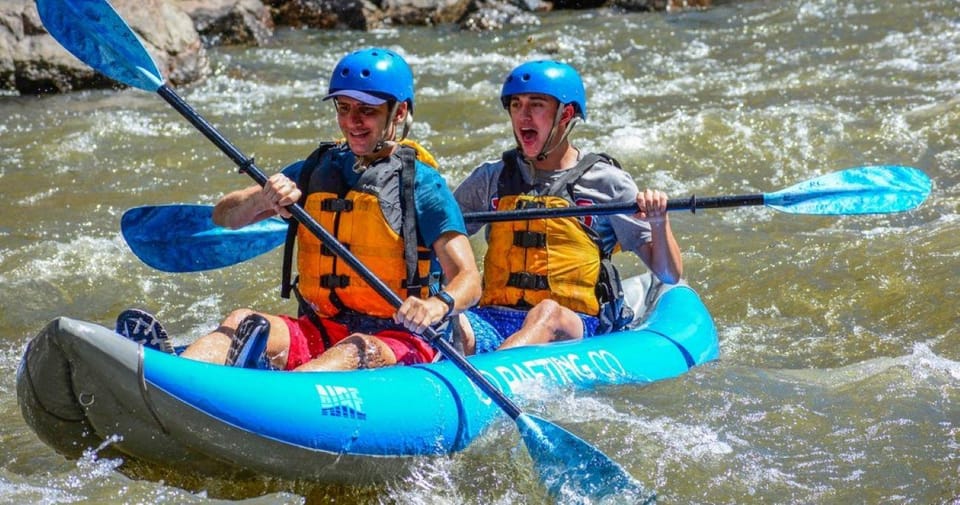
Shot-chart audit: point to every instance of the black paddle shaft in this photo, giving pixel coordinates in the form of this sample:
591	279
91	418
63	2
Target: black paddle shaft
248	166
604	209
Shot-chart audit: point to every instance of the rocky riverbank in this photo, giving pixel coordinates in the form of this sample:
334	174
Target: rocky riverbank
177	32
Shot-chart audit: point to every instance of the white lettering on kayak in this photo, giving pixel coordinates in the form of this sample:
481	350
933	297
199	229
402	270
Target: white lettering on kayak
607	364
561	370
340	401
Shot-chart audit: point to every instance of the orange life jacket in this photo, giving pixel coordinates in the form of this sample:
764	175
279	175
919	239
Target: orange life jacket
382	235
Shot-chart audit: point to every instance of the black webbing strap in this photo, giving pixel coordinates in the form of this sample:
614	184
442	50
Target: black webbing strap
408	172
527	280
571	176
527	239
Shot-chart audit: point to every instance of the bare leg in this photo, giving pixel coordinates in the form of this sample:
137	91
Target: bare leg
213	347
546	322
358	351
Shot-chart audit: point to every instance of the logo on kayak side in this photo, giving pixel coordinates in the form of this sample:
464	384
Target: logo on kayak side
573	368
339	401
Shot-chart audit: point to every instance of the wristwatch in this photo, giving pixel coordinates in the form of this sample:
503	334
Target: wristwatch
447	299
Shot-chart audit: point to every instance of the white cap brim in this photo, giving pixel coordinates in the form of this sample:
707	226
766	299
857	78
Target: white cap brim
366	98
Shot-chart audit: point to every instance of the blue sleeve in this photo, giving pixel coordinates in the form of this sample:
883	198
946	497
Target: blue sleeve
293	171
437	210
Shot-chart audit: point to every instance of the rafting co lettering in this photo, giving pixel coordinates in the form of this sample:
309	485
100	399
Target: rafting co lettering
340	401
560	369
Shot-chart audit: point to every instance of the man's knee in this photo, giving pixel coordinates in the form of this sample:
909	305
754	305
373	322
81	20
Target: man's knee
561	322
546	310
234	318
369	351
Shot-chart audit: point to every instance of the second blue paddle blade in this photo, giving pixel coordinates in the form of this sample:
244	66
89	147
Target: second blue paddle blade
864	190
575	472
183	238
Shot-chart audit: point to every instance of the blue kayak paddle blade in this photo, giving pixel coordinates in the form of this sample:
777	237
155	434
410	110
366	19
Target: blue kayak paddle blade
93	32
574	471
865	190
183	238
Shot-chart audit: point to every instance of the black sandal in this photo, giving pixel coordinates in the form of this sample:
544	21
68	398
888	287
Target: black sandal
141	327
249	343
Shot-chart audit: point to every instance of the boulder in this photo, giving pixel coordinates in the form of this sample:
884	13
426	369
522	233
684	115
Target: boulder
325	14
489	15
33	62
230	22
424	12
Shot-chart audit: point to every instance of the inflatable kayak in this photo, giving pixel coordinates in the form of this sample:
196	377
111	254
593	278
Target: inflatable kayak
80	385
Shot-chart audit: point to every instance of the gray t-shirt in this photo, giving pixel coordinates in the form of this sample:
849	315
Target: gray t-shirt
604	183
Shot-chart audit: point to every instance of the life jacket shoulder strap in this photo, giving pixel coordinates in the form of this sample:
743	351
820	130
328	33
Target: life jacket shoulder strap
408	172
570	178
511	180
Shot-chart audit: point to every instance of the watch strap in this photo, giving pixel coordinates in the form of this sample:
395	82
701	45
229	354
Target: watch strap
447	299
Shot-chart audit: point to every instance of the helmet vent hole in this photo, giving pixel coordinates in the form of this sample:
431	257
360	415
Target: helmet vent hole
525	78
365	73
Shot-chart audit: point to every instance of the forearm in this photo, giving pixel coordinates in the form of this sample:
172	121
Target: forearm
463	286
661	254
464	289
459	266
242	207
664	258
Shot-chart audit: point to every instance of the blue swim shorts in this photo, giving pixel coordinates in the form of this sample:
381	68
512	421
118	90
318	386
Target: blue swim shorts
492	324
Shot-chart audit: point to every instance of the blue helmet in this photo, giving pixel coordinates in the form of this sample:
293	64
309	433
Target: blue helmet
373	76
553	78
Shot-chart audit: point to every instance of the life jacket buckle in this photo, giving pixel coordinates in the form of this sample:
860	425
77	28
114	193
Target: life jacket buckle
527	280
530	204
336	205
529	239
332	281
417	284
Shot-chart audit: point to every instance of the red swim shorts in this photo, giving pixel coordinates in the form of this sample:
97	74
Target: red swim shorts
306	342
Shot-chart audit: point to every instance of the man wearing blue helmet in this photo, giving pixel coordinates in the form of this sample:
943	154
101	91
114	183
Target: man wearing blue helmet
378	194
553	279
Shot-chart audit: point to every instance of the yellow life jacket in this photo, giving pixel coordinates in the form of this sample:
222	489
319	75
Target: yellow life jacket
382	235
528	261
532	260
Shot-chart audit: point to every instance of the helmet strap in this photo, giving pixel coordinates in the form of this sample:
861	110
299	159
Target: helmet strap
407	124
384	143
547	147
386	128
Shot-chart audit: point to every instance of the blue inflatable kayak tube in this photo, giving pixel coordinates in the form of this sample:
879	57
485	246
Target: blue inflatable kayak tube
80	384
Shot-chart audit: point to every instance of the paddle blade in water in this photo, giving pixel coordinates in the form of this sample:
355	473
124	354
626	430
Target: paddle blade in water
574	471
93	32
183	238
863	190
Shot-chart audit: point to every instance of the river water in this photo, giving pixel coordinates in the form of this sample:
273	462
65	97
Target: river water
839	376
